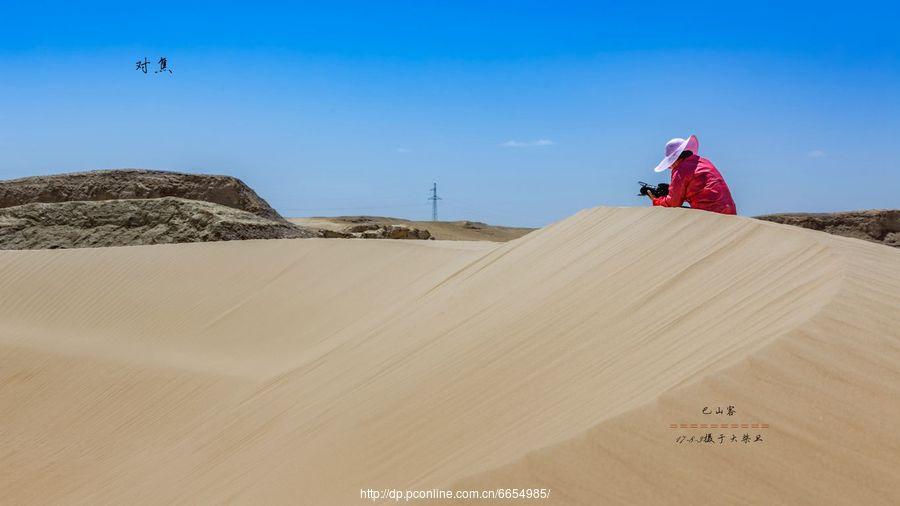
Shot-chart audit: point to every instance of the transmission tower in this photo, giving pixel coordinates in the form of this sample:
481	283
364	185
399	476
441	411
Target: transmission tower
434	198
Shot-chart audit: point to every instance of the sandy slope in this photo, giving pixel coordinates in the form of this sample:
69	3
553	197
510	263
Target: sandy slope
301	371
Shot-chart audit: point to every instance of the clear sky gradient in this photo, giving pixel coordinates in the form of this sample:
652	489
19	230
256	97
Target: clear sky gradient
522	112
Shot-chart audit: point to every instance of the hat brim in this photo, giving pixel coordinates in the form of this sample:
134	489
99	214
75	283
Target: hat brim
690	144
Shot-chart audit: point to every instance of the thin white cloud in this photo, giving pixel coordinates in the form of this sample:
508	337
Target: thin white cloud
404	150
521	144
816	153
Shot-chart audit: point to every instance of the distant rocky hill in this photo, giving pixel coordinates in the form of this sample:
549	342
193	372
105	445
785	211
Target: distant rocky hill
392	228
134	184
376	231
134	206
881	226
126	222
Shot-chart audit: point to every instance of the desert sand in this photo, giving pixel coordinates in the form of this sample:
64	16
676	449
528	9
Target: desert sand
301	371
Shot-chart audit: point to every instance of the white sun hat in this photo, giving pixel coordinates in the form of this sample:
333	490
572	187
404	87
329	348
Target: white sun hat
674	148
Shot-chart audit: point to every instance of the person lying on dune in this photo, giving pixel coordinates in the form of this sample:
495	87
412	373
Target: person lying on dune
695	179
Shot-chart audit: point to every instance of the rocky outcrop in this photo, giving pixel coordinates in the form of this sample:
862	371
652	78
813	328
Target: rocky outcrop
881	226
127	222
134	184
377	231
333	234
403	232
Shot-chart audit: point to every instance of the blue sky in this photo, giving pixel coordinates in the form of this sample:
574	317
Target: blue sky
522	112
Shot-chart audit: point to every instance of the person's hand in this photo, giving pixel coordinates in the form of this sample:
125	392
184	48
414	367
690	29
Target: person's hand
650	194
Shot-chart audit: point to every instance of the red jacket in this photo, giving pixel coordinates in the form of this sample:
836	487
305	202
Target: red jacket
697	181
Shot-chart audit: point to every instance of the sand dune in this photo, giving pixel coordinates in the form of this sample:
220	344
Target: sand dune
300	371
